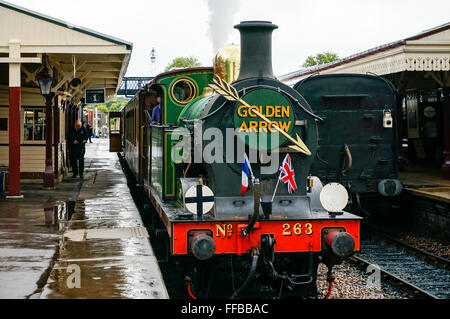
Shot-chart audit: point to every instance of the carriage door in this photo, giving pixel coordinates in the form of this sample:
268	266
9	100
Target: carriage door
143	143
115	136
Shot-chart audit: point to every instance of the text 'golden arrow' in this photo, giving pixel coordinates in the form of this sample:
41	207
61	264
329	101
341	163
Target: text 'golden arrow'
230	93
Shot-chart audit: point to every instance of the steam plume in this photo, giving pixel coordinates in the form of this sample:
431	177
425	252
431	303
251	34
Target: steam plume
221	21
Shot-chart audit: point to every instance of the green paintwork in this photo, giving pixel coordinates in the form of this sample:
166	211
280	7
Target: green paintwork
179	194
163	173
169	166
172	110
156	159
195	109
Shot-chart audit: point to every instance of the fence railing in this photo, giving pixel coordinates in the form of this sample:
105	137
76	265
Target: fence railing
131	85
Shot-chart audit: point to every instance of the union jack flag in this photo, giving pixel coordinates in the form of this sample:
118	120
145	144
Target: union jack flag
288	174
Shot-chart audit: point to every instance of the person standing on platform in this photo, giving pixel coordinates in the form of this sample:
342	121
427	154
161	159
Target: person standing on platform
77	143
89	132
105	131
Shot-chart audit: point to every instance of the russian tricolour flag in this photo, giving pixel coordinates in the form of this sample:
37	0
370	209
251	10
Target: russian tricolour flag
245	175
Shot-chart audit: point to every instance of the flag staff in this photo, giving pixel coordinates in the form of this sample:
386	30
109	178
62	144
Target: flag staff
276	187
250	169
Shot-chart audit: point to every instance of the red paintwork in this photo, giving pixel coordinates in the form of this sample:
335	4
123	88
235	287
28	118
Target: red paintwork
329	236
235	243
14	141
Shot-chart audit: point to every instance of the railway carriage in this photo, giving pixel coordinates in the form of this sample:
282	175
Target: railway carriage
131	119
238	225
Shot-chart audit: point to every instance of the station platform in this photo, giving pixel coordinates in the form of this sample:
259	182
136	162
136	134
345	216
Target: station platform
87	239
426	183
426	201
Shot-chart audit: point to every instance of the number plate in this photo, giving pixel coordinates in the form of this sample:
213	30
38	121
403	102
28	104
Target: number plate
297	229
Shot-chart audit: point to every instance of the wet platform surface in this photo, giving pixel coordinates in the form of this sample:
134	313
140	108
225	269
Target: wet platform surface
89	245
28	241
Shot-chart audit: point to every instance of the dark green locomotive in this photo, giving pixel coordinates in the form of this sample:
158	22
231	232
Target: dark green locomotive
357	144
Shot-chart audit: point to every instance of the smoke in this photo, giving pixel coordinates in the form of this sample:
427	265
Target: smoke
221	21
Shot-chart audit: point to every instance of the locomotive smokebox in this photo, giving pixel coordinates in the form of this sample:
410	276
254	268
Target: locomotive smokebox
256	49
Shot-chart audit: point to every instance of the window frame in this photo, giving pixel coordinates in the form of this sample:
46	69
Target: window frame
193	94
43	125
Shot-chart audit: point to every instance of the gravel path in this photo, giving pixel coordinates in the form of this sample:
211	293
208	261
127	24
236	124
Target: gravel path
351	283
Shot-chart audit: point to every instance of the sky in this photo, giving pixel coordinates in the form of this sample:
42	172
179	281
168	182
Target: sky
199	27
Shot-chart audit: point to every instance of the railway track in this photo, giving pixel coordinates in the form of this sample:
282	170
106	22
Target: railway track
422	274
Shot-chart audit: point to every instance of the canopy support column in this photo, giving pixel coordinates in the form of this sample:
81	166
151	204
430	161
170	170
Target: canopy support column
14	121
446	116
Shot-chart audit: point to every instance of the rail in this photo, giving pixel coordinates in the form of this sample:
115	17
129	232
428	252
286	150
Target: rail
412	269
395	280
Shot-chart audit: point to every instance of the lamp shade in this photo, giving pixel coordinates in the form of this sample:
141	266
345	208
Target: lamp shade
75	82
45	81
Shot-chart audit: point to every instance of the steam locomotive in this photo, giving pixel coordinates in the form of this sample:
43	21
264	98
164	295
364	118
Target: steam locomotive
234	175
357	137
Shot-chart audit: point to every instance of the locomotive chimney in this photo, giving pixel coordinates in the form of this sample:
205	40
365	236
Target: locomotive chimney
256	49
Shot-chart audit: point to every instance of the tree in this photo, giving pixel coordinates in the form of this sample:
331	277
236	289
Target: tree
102	108
116	106
320	58
110	106
182	62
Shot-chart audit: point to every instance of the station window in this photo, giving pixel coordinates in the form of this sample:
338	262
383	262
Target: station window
183	91
34	121
3	124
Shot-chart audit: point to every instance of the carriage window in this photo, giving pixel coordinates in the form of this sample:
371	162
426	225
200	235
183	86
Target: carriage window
33	125
130	122
183	91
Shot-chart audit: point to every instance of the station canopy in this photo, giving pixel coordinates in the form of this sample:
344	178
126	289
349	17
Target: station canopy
97	60
419	61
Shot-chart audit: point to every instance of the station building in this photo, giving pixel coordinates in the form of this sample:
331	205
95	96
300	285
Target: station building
419	67
34	128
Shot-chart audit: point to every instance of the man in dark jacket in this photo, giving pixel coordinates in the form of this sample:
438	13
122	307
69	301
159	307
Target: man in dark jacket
89	132
77	143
